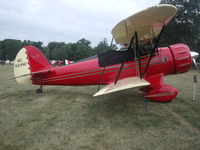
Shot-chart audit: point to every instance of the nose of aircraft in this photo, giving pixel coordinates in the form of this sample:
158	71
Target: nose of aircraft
194	55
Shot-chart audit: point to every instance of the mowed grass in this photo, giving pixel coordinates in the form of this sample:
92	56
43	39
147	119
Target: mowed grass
70	118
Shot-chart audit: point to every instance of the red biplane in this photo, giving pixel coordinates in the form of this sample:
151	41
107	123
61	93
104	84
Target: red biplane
138	64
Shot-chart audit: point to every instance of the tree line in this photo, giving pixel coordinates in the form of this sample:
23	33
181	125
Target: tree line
184	28
55	50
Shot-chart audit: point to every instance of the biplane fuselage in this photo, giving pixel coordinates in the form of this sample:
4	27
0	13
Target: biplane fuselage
167	61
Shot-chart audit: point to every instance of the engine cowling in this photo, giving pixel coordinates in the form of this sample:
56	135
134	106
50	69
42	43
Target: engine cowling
163	93
182	57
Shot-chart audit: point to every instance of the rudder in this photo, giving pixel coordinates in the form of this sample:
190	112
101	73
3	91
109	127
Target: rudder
28	61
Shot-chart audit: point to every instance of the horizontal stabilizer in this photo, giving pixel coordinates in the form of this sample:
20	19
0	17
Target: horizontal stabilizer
123	84
36	73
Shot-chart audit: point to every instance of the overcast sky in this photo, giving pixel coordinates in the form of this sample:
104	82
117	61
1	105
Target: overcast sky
65	20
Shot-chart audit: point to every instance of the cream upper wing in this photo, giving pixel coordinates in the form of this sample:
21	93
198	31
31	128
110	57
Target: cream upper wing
148	24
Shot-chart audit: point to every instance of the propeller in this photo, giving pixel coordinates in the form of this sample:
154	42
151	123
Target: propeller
194	56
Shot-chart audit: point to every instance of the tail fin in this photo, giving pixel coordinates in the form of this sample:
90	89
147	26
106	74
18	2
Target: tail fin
28	61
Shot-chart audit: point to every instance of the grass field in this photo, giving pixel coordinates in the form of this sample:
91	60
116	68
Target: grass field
70	118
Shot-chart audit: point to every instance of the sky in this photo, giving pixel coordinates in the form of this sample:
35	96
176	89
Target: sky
65	20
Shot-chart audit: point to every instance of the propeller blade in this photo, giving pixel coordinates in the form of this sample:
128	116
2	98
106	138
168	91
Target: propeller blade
195	64
194	56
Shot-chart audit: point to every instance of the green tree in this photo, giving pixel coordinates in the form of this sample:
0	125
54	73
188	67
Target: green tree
103	46
1	50
10	48
63	52
185	25
52	46
71	49
82	49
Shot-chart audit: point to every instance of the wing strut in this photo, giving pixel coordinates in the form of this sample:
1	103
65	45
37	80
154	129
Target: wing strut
152	51
111	43
138	54
134	52
122	64
119	72
135	48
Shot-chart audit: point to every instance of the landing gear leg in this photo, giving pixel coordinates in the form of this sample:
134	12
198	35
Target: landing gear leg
98	88
39	90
